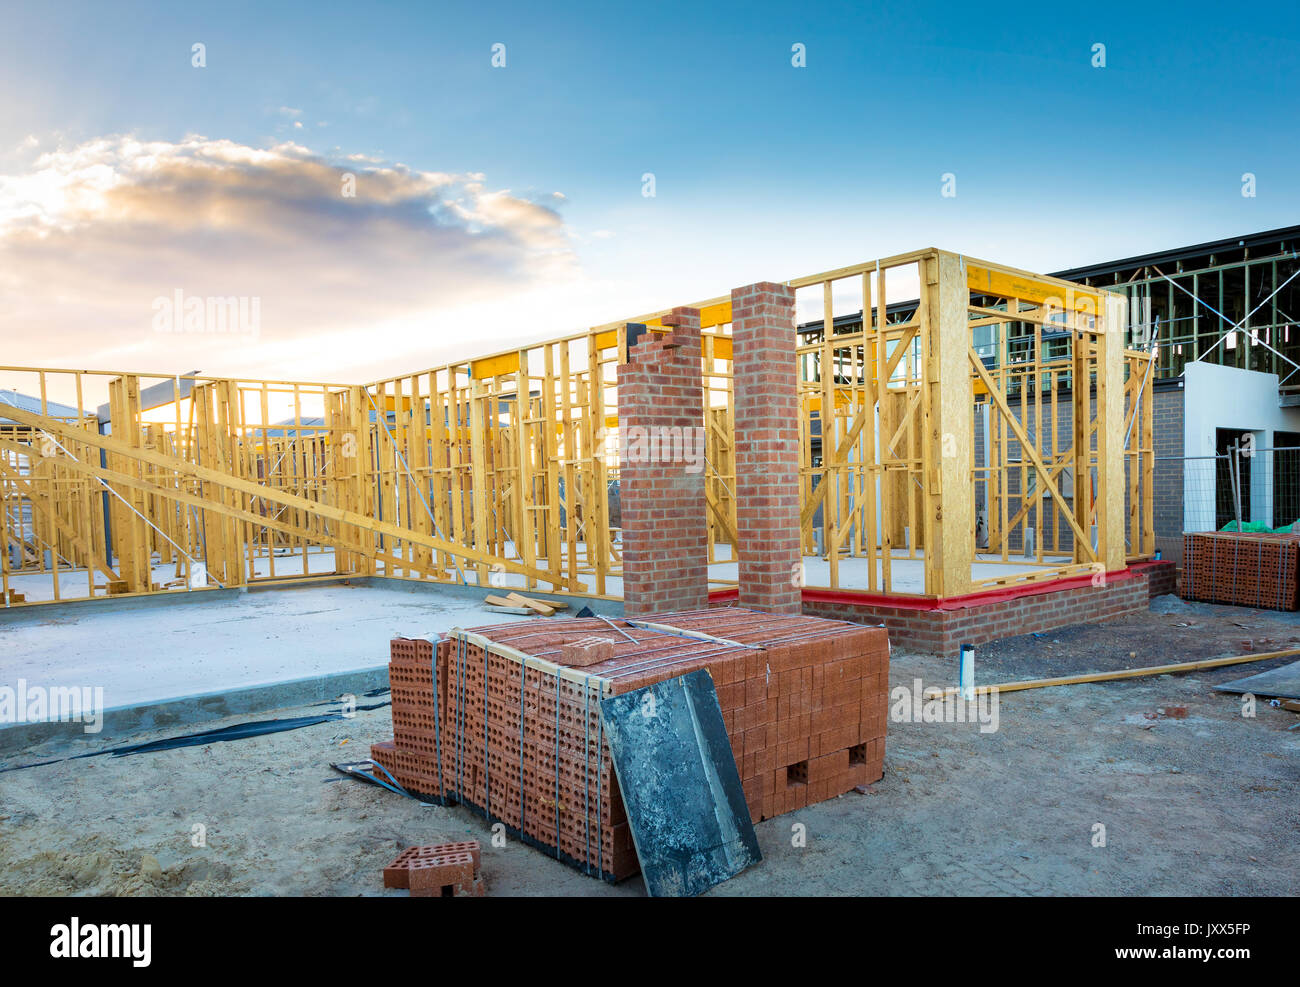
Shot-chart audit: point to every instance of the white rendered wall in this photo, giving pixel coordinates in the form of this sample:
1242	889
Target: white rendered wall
1225	397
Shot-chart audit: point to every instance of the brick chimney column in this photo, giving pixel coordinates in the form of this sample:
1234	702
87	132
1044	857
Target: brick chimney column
661	469
767	446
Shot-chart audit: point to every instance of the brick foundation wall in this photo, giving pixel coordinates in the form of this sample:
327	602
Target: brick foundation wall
1162	577
662	496
942	631
767	446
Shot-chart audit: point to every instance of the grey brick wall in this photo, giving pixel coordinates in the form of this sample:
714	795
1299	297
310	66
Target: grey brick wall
1167	429
1062	437
1169	413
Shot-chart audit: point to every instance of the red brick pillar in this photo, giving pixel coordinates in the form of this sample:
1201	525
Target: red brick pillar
767	445
661	470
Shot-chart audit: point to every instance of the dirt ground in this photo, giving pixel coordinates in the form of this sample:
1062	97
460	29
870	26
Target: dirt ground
1205	804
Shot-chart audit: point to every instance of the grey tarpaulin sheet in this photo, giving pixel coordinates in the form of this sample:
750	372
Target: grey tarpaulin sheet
1282	683
680	786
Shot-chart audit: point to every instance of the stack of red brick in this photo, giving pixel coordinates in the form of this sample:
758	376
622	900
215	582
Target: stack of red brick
524	742
804	701
807	722
1246	569
447	870
411	757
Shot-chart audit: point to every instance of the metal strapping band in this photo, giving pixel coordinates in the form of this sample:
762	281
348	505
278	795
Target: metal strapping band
586	772
437	729
523	675
600	778
460	720
557	767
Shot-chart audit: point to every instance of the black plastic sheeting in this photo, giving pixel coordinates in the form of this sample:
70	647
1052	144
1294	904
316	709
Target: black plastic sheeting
372	694
239	731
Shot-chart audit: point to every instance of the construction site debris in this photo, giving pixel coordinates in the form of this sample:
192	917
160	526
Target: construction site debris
1283	683
517	603
540	607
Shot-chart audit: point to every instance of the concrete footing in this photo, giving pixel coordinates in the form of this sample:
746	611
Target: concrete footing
121	724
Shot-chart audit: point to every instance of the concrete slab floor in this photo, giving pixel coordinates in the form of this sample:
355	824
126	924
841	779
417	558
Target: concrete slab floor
76	584
1201	805
140	654
907	574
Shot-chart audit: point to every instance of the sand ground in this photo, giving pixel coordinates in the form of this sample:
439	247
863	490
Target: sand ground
1204	804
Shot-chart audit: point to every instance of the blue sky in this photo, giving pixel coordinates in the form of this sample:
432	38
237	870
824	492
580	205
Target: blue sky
762	170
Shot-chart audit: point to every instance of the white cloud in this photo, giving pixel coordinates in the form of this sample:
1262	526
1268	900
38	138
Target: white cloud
418	263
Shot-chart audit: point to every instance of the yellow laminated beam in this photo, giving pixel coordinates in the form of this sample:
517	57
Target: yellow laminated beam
715	315
711	316
1006	284
495	366
844	397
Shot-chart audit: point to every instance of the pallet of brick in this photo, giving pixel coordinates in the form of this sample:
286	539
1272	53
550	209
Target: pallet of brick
411	758
804	700
1248	569
821	721
1260	570
523	741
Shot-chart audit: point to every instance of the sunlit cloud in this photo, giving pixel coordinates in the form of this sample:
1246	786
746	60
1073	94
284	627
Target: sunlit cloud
361	265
